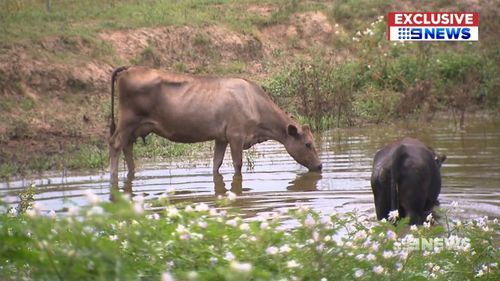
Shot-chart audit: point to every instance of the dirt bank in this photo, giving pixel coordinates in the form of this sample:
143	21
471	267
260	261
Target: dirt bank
55	91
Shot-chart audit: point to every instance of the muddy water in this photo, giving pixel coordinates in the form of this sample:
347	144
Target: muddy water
272	181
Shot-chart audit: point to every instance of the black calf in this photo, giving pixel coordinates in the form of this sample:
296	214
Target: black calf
406	177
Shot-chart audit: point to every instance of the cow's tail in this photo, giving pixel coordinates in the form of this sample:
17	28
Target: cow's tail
397	163
112	126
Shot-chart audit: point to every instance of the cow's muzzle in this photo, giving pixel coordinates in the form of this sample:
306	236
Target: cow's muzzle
317	168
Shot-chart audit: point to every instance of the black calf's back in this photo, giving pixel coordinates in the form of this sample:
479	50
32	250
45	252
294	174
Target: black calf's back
406	177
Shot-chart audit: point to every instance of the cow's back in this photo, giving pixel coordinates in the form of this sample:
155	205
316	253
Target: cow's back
188	108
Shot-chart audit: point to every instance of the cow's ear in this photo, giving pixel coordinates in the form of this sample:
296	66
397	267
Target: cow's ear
292	130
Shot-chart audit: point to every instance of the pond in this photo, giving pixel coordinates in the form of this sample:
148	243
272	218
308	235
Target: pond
273	181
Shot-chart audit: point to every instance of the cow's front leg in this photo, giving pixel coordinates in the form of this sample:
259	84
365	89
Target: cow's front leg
237	155
219	151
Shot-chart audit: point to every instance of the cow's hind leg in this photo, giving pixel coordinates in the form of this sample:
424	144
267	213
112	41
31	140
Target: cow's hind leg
116	144
219	151
114	158
128	151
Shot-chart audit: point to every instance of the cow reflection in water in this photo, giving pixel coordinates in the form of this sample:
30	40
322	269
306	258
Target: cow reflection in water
305	182
220	186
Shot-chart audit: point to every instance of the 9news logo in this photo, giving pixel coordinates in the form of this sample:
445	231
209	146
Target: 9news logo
433	26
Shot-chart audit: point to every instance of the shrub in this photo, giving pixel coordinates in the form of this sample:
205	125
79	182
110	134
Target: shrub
120	241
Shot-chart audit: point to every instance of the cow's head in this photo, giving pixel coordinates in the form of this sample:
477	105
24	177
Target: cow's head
300	145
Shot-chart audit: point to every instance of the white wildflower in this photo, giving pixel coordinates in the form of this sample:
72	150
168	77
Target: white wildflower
229	256
272	250
31	213
427	224
326	220
138	208
181	229
124	244
188	209
264	225
202	207
96	210
113	237
285	249
292	264
393	216
12	212
184	236
166	276
244	227
370	257
315	236
387	254
202	224
232	223
172	212
309	221
391	235
429	218
359	273
378	269
360	235
413	227
213	212
241	266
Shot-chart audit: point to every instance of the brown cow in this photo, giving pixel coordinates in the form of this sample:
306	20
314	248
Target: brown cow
189	109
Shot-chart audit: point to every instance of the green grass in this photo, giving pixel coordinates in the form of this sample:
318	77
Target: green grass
30	19
119	241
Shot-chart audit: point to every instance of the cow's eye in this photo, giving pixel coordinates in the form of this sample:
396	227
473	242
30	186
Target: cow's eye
308	145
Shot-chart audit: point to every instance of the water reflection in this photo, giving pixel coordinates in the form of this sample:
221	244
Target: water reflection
305	182
220	186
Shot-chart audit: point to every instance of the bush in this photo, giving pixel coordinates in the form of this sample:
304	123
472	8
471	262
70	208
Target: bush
119	241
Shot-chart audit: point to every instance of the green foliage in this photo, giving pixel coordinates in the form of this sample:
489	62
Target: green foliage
156	146
353	13
119	241
89	156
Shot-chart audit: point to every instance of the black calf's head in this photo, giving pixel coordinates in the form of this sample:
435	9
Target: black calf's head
439	159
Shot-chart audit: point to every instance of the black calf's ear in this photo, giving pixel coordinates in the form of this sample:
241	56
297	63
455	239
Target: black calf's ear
442	158
292	130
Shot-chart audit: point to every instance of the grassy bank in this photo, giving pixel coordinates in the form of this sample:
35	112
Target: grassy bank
382	80
94	155
33	20
120	241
